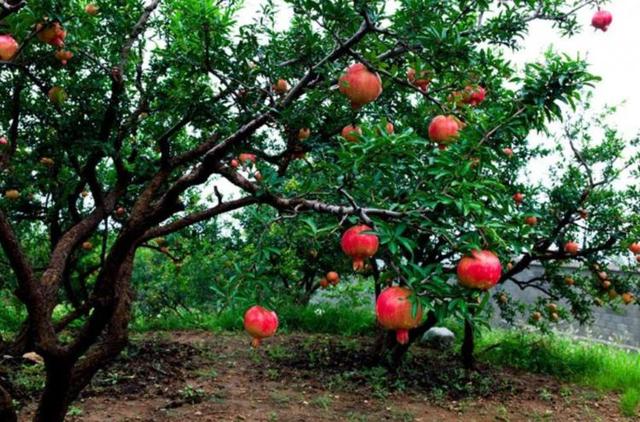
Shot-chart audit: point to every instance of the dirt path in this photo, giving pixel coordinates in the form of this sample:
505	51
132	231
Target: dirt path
198	376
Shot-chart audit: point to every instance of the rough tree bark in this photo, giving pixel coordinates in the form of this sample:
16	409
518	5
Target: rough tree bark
7	412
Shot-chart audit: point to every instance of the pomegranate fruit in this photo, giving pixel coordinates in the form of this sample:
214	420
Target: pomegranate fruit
518	197
234	163
359	246
420	81
508	152
304	133
635	248
481	270
281	87
8	47
46	161
333	277
569	281
394	312
52	34
571	247
531	220
4	140
120	212
443	130
360	85
91	9
324	283
12	194
57	95
87	246
260	323
474	95
246	157
536	316
64	56
390	128
351	133
601	20
628	298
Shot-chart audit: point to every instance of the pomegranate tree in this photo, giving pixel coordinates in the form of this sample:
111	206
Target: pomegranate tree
481	270
395	311
358	245
360	85
260	323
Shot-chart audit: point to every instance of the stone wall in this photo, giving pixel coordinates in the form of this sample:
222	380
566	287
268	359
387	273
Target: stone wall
620	326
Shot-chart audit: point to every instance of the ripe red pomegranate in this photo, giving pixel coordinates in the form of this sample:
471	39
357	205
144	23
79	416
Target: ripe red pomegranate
360	85
8	47
508	152
571	247
333	277
304	133
394	312
324	283
359	246
260	323
64	56
4	140
474	95
531	220
390	128
601	20
443	130
351	133
246	157
518	197
57	95
635	248
422	81
281	87
234	164
482	270
51	33
91	9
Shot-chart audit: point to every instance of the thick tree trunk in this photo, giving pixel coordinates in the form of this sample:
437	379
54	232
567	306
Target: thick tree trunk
388	351
468	361
54	401
7	412
67	377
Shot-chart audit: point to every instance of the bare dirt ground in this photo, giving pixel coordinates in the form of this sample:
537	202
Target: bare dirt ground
199	376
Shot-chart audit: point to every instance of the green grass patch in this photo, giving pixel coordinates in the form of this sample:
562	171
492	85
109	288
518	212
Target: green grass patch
599	366
315	319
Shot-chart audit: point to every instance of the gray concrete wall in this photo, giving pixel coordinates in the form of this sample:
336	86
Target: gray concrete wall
621	326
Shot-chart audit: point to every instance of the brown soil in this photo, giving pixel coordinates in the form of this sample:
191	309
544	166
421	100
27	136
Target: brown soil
199	376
